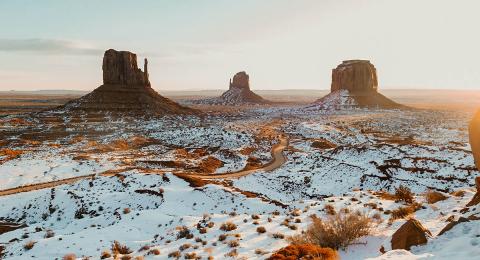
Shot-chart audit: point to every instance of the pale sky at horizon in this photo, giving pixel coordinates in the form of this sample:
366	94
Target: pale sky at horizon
200	44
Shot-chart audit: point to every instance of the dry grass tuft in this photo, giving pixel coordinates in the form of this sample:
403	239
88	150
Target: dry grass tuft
29	245
261	230
105	254
404	194
403	212
228	226
118	248
69	257
304	251
337	231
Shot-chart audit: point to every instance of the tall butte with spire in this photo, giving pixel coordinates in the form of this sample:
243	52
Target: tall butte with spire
126	89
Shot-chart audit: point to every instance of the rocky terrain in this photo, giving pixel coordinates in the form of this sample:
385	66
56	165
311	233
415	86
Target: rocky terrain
125	89
124	173
354	85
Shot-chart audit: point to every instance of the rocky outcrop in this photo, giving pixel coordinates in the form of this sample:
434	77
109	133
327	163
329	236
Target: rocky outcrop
241	80
238	93
355	76
474	133
120	68
126	89
412	233
354	85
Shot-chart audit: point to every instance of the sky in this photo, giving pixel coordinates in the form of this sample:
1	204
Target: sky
281	44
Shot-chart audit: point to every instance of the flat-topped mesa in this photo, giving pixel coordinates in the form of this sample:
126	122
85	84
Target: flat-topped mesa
240	80
120	68
355	76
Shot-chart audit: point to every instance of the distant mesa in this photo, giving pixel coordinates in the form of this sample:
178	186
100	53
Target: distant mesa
238	93
355	85
126	89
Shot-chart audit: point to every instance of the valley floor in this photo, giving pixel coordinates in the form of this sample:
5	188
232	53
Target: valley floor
152	183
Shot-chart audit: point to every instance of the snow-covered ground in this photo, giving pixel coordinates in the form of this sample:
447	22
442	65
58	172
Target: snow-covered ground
370	151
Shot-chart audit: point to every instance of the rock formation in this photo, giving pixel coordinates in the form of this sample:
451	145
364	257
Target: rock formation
126	89
354	85
238	93
474	134
412	233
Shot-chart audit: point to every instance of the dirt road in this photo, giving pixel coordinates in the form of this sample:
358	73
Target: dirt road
277	161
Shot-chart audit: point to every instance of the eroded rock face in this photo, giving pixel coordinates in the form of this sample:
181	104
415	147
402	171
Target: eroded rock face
355	75
412	233
125	90
120	68
240	80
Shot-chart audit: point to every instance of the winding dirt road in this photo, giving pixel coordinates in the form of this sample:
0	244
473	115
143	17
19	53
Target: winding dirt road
277	161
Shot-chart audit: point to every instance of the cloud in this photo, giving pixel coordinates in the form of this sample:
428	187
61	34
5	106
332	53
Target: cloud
47	46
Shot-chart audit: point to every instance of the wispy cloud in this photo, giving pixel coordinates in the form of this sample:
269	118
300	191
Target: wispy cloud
47	46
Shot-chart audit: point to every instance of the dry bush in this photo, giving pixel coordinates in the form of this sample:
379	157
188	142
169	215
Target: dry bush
139	257
183	232
126	210
403	212
222	237
118	248
228	226
458	193
433	197
174	254
126	257
105	254
49	233
154	251
254	216
259	251
304	251
261	230
202	230
191	255
329	209
69	257
233	243
184	247
29	245
338	231
232	253
278	235
404	194
144	248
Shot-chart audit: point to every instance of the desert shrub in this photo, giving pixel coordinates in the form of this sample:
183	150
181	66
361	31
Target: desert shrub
228	226
184	247
191	255
255	222
304	251
210	224
183	232
222	237
126	257
329	209
297	220
233	243
261	230
202	230
458	193
174	254
118	248
404	194
105	254
254	216
433	197
126	210
259	251
337	232
278	235
140	257
144	248
232	253
154	251
29	245
293	227
49	234
69	257
402	212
